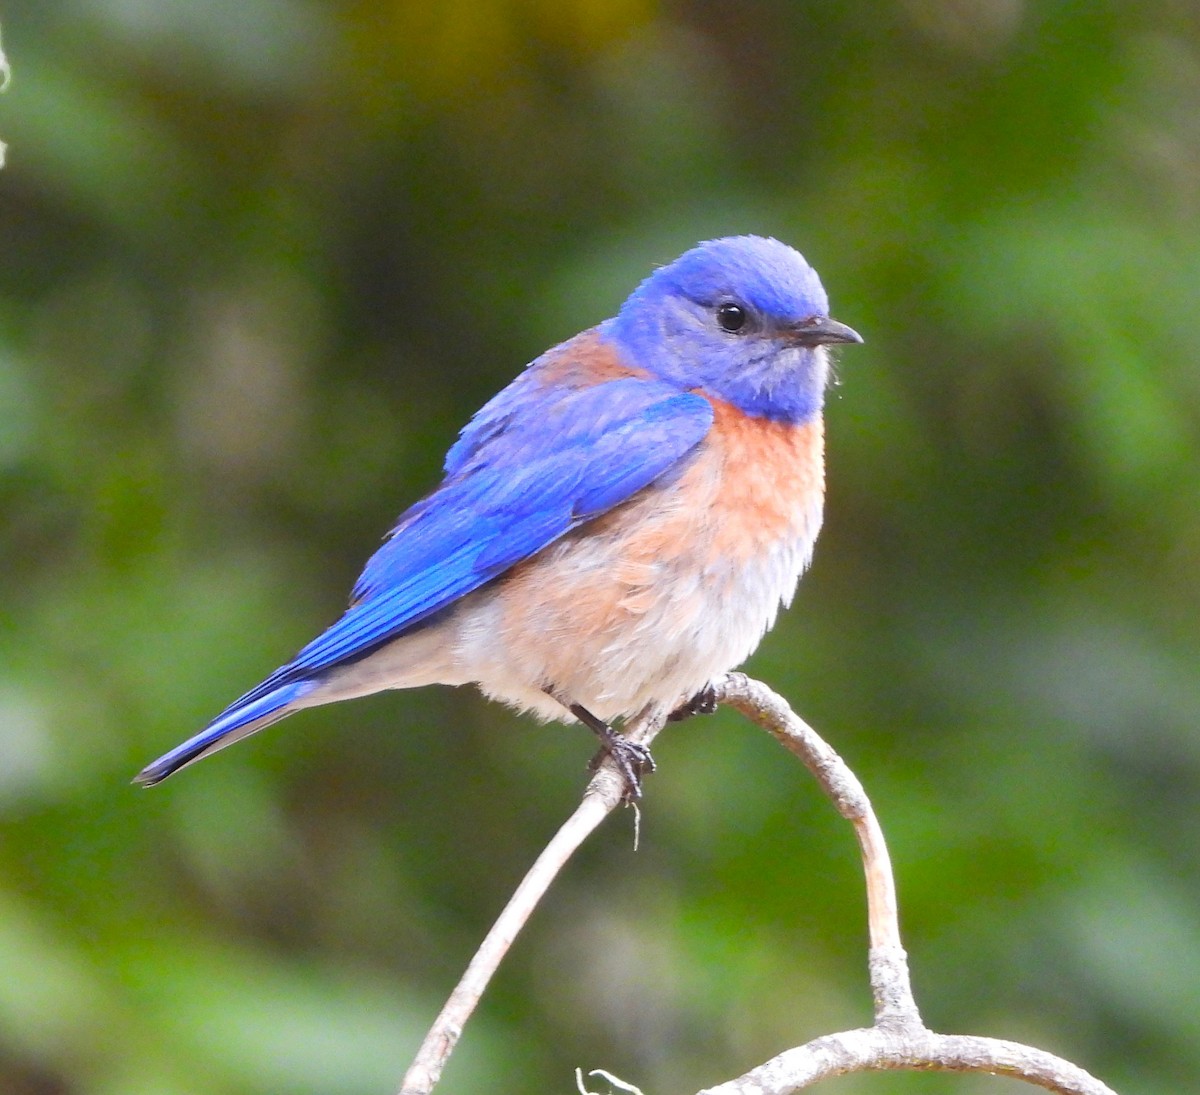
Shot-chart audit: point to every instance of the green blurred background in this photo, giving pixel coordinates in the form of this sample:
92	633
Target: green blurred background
259	261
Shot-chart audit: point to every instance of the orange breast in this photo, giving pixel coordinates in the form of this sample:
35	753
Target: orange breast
771	475
734	528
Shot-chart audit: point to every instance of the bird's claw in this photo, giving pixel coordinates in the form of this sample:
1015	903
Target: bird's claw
633	760
703	702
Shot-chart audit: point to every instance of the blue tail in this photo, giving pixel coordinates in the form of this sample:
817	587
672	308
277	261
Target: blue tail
252	712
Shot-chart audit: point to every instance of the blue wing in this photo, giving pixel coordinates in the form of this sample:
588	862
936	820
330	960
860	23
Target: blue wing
525	472
543	474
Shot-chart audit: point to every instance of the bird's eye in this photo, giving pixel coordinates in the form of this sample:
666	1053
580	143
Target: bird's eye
731	317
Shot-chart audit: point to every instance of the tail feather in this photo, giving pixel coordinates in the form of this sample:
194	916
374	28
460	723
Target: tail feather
236	722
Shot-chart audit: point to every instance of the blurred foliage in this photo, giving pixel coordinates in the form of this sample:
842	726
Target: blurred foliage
260	261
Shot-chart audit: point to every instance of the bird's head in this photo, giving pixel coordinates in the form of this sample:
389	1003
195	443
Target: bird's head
744	319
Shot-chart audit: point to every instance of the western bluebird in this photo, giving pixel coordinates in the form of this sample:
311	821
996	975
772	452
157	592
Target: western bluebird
616	528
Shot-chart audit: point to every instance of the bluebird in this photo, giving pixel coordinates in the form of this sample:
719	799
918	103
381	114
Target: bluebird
615	529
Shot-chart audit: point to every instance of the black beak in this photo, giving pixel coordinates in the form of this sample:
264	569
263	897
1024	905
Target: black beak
821	331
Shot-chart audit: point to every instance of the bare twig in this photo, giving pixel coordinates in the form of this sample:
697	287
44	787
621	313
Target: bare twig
899	1040
878	1049
604	793
889	965
613	1082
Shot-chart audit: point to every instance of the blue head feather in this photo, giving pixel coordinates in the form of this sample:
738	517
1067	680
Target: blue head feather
669	326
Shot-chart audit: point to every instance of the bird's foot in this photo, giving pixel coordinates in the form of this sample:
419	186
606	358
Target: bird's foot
632	759
703	702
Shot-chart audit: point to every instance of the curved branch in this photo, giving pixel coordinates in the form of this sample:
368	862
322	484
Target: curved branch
605	791
899	1040
889	964
877	1049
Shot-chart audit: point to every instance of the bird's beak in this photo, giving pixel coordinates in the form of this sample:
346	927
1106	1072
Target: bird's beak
821	331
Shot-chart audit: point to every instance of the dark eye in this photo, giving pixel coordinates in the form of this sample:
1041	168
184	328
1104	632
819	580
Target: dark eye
731	317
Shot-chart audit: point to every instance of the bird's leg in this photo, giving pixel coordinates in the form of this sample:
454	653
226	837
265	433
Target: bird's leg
632	759
703	702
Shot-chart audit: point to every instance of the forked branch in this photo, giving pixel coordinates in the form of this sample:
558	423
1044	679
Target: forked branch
899	1039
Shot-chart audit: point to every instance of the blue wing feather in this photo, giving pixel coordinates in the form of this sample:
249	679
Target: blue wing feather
594	449
235	722
525	480
536	462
